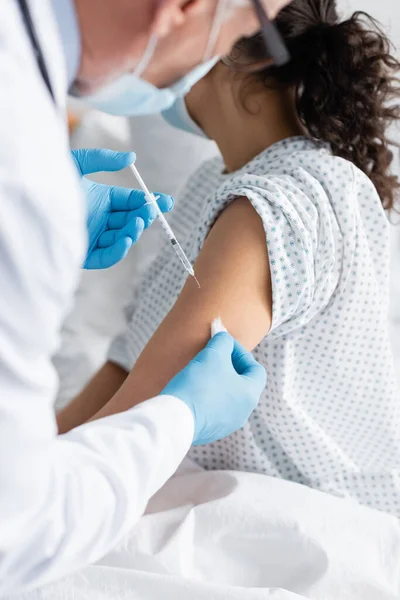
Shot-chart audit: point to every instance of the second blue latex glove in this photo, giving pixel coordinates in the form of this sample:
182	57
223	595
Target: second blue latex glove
117	216
222	386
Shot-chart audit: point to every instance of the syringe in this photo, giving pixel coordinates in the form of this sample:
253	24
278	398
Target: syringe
151	198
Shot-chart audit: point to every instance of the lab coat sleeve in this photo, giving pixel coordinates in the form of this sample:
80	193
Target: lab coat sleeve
64	501
69	507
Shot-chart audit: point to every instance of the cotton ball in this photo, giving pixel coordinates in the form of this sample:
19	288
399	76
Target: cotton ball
217	326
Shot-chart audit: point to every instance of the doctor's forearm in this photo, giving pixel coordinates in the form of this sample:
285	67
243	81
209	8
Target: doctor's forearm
93	397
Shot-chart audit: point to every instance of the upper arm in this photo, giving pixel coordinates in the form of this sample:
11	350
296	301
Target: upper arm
234	273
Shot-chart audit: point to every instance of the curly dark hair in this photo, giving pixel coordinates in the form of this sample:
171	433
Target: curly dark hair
346	83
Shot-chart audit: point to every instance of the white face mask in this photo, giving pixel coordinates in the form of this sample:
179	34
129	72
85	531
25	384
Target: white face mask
178	116
130	95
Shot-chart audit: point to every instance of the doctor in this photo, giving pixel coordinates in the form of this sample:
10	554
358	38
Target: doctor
65	501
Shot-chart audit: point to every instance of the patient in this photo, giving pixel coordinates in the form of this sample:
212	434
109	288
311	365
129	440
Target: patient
291	246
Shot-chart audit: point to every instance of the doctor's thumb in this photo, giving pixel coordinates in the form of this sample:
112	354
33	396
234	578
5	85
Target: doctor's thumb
246	365
95	160
223	344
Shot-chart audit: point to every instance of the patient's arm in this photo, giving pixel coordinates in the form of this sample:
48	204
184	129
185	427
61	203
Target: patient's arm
233	269
93	397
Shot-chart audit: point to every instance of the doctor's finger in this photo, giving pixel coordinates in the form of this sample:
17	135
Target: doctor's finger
104	258
222	343
147	212
241	358
127	221
245	364
133	229
128	199
94	160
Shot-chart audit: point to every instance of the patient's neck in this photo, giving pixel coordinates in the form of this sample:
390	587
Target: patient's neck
244	128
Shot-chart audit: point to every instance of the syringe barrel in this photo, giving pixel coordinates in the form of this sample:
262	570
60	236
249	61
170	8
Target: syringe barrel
165	225
182	256
163	222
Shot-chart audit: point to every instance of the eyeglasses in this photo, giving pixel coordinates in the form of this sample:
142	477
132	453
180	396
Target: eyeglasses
273	41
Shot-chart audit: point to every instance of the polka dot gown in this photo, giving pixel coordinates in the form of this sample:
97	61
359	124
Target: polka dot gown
330	416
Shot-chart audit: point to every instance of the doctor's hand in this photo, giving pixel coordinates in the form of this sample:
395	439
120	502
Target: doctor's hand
222	386
117	216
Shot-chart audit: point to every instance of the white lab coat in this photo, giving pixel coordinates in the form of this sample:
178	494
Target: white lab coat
64	501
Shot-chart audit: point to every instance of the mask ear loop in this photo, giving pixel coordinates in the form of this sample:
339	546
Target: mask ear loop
147	56
218	20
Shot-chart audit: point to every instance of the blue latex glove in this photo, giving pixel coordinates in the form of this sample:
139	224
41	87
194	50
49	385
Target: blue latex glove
221	386
116	216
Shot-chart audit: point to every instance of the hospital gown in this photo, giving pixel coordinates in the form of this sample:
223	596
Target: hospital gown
330	415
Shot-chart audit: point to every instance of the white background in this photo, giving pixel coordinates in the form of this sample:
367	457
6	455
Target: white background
387	11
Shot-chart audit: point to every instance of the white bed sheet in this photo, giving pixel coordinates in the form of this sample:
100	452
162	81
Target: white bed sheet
239	536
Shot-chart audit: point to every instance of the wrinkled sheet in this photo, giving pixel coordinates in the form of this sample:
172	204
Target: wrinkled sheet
238	536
